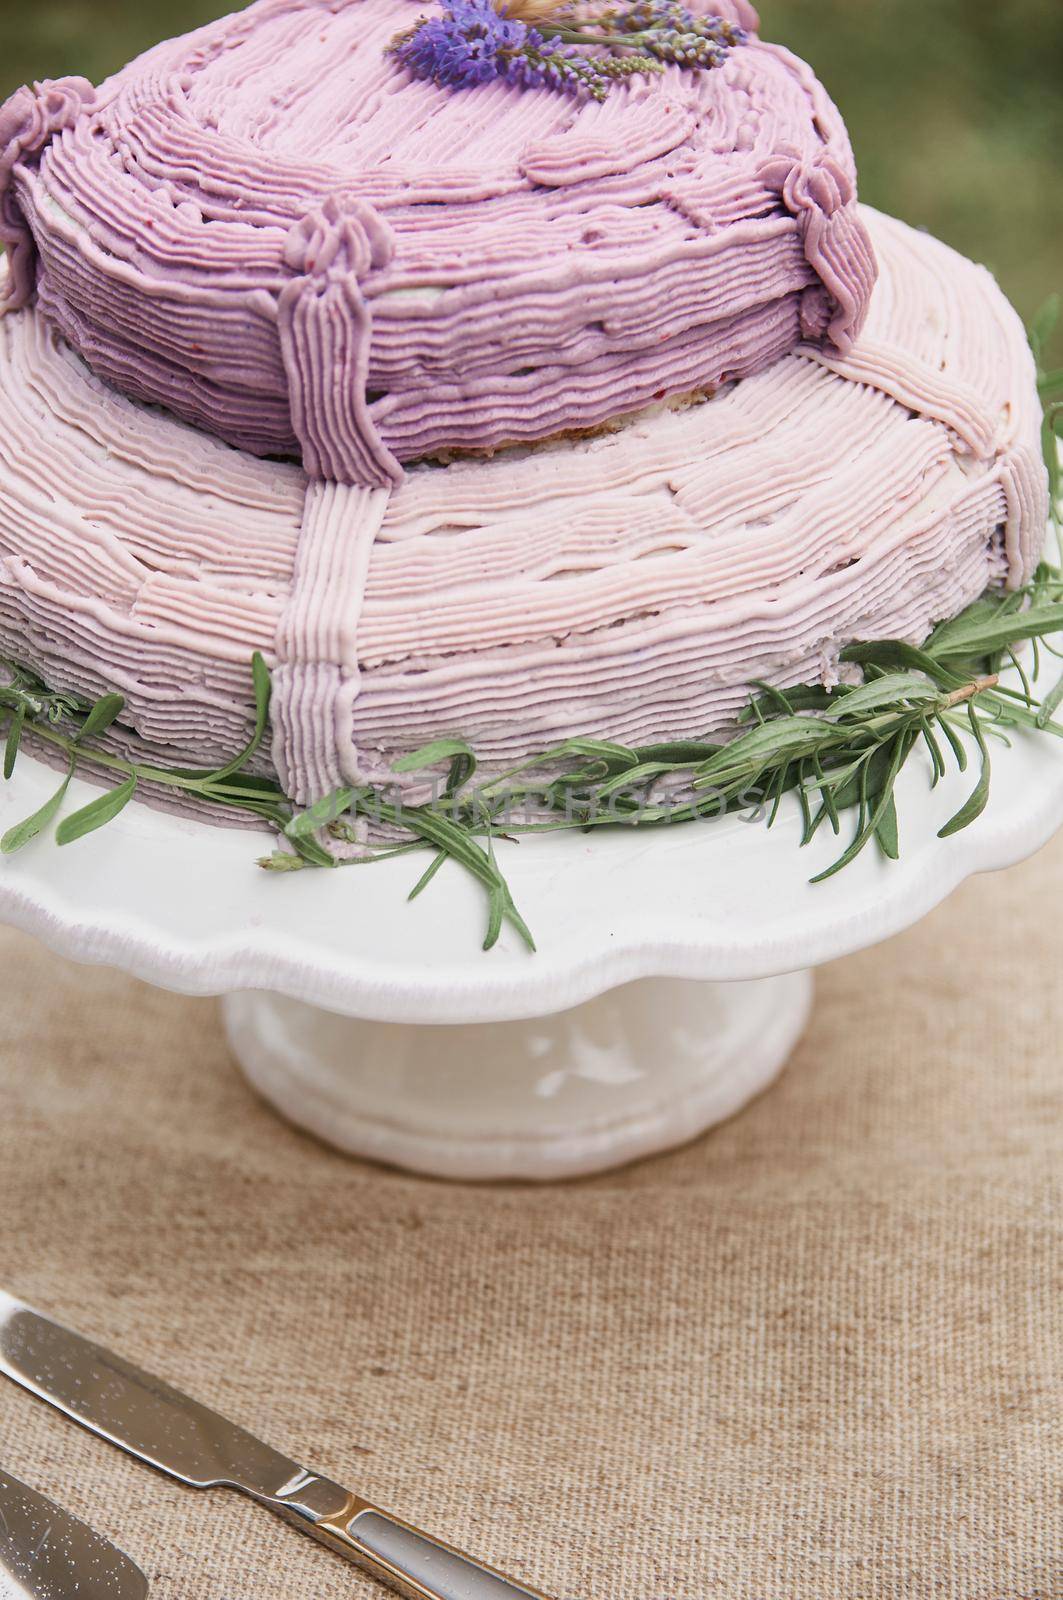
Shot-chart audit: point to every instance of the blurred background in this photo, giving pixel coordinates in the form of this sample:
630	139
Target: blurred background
955	107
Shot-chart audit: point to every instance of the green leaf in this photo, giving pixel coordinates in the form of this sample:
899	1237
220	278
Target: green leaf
98	812
263	690
461	771
805	697
679	754
886	830
784	739
959	749
1020	672
1050	705
810	822
771	699
976	804
15	838
633	777
496	912
864	777
14	739
101	715
936	757
314	853
426	877
449	836
886	692
973	636
323	812
870	820
600	749
895	653
776	790
829	808
514	917
431	755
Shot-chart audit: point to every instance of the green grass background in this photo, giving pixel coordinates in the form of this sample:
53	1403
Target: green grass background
955	106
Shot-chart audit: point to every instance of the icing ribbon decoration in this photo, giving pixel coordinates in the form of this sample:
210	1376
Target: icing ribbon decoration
316	678
29	120
820	195
325	329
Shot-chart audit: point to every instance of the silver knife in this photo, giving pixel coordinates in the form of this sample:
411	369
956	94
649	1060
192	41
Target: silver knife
47	1554
193	1444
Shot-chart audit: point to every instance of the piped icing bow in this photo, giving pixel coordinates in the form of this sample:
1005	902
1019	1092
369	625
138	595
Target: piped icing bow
29	119
820	193
325	331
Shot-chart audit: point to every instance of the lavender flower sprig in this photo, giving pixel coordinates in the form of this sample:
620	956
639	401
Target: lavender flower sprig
671	32
472	42
641	16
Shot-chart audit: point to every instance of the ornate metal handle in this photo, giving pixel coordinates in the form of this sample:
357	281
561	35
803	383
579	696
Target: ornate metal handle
408	1561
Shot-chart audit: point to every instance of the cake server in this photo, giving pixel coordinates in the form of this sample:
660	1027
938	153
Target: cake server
47	1554
193	1444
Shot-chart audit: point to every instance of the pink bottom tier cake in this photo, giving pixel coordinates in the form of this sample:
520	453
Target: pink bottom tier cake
628	584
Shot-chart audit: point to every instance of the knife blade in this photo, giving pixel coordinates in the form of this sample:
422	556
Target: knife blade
179	1436
48	1554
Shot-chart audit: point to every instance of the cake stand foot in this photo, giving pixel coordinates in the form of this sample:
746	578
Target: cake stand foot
636	1071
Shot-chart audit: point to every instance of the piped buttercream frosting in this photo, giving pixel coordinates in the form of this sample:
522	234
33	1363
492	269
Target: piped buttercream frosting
273	230
627	585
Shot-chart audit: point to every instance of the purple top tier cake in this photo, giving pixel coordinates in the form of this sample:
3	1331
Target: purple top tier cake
275	230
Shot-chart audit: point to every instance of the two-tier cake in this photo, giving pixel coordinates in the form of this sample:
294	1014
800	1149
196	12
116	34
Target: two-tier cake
480	405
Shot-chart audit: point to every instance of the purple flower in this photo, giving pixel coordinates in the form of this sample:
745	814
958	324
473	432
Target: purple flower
473	43
671	16
470	43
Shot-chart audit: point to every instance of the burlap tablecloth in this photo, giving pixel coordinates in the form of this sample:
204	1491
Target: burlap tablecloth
817	1355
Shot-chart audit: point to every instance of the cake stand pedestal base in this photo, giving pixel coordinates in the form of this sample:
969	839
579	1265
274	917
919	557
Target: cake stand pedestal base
637	1070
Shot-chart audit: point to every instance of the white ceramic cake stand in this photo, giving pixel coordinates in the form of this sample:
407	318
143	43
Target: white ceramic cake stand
671	983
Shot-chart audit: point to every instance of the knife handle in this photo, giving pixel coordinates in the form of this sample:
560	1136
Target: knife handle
408	1561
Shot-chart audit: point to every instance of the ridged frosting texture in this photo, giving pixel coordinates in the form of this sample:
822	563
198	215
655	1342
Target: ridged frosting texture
628	585
271	229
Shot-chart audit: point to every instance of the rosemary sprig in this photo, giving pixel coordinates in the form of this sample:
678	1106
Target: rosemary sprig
837	750
532	44
74	727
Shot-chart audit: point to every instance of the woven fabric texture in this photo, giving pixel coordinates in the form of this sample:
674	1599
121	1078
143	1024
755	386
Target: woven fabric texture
817	1355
